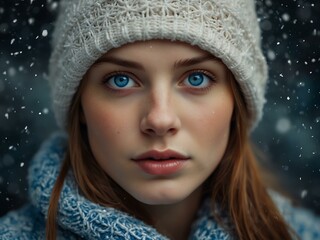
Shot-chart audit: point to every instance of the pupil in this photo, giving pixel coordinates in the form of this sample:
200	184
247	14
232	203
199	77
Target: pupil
121	81
195	79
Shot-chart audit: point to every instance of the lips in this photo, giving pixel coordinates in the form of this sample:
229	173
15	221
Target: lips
161	163
157	155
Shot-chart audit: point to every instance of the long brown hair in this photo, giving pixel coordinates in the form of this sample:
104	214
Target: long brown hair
235	186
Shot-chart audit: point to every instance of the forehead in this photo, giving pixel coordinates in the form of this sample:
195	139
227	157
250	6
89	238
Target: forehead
156	54
160	47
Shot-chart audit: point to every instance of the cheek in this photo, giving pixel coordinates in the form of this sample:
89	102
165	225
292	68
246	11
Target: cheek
99	121
106	131
103	118
214	123
105	126
212	127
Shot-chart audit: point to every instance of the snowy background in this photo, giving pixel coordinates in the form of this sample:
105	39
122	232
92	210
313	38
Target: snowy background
288	136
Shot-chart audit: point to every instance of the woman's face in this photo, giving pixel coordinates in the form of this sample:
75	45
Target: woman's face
158	118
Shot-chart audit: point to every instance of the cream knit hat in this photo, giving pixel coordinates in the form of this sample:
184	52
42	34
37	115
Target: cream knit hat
87	29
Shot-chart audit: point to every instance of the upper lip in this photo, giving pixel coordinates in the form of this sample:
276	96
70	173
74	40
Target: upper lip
161	155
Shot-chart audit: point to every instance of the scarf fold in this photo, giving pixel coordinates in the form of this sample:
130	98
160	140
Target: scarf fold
90	220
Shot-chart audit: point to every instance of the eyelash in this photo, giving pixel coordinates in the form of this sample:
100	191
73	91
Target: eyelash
209	75
113	74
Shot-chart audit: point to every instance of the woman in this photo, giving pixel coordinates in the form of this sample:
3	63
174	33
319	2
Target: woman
157	99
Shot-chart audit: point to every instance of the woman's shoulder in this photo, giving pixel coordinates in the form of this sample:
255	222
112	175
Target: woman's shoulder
305	223
25	223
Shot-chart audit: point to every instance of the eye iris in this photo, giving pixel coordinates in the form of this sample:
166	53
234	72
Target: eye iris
195	79
121	81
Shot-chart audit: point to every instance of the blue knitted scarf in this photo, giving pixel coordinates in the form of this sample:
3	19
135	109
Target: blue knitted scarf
88	220
80	218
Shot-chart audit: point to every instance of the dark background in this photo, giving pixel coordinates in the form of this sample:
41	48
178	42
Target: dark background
289	135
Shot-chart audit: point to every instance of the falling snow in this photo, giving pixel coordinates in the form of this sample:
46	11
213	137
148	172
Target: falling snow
283	125
286	17
304	193
289	133
44	33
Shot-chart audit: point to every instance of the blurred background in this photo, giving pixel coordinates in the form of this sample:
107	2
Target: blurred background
288	136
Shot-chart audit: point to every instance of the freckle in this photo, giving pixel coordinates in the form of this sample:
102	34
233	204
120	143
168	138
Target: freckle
118	132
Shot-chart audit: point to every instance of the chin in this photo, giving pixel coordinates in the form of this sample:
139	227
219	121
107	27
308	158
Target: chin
161	198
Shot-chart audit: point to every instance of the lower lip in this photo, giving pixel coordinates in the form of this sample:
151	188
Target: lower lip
161	167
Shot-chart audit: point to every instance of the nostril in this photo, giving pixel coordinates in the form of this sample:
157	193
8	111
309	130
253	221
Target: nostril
150	131
172	130
160	123
159	131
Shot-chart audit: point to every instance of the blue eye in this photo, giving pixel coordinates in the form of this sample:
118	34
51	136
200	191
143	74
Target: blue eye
120	81
198	80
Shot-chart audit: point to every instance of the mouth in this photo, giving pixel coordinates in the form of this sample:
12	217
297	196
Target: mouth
158	155
161	163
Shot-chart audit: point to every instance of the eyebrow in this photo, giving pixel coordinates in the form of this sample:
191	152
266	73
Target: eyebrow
178	64
120	62
193	61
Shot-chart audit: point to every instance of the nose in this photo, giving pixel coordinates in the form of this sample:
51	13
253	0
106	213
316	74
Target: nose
160	118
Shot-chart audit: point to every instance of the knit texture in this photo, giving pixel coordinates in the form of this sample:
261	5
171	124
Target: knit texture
87	29
77	216
80	218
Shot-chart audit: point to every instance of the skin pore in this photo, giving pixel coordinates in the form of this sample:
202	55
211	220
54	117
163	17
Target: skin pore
158	96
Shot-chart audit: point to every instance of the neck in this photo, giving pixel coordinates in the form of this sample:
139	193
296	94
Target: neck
175	220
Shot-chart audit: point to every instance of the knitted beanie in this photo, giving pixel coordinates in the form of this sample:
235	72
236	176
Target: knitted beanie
86	29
